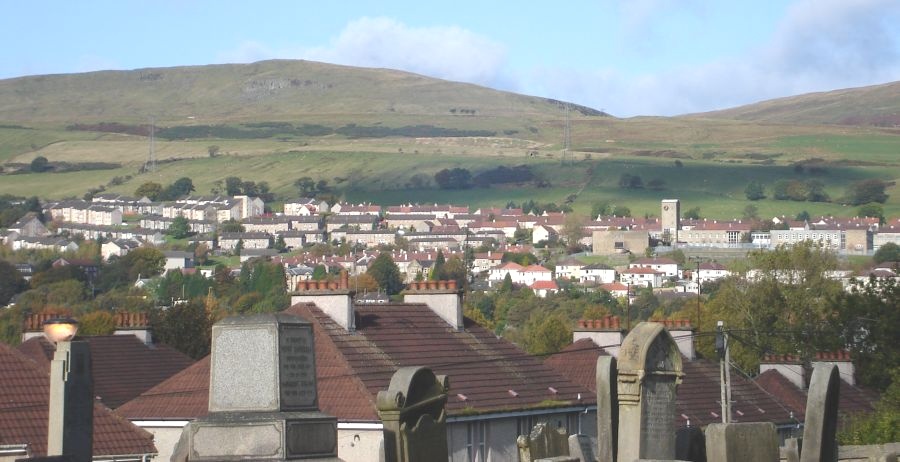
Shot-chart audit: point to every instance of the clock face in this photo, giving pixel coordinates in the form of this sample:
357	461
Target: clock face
665	207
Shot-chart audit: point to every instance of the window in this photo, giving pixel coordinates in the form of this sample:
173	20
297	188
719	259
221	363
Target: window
476	435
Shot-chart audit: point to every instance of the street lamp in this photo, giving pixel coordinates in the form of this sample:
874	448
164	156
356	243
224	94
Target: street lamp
70	425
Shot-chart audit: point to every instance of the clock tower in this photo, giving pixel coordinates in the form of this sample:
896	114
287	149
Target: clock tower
671	218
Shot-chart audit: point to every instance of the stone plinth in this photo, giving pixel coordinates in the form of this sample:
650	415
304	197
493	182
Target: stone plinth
262	395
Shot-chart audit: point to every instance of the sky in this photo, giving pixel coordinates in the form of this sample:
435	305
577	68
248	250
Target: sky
626	57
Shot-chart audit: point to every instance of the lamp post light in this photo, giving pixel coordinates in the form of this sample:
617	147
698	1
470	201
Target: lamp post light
70	423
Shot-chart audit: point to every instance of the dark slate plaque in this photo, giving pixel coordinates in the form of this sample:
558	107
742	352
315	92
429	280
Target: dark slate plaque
298	368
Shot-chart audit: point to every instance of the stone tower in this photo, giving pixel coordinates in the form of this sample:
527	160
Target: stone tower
671	217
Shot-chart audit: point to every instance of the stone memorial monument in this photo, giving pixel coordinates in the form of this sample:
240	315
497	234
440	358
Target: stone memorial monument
742	442
263	403
649	372
413	415
607	409
544	443
820	426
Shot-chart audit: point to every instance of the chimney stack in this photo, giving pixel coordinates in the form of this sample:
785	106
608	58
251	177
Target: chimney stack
789	366
443	297
683	334
333	298
607	333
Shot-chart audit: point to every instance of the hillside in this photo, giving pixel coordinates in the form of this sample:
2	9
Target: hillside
877	105
382	135
269	90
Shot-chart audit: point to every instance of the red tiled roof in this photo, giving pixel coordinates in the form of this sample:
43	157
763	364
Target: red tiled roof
535	269
852	399
697	397
123	366
544	285
24	402
641	271
183	396
353	367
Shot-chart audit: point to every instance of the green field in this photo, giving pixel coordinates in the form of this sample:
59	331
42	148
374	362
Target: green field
718	157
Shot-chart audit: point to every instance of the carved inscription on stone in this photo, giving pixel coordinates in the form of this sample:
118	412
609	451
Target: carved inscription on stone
298	370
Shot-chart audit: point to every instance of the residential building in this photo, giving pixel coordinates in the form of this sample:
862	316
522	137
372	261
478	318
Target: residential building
498	391
667	266
24	403
228	241
645	277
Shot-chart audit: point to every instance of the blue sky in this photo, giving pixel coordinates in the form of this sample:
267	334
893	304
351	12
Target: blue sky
628	57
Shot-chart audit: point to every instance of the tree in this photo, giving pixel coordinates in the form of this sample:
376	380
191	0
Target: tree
213	150
280	245
39	164
865	191
231	226
385	271
865	321
755	191
656	184
232	186
692	214
601	208
11	282
97	322
547	336
455	270
184	326
781	309
305	186
437	270
456	178
621	211
180	228
802	216
319	273
815	191
150	190
629	181
181	187
871	210
887	252
751	212
507	285
573	230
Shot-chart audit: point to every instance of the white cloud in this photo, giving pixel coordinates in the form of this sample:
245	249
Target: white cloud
820	45
446	52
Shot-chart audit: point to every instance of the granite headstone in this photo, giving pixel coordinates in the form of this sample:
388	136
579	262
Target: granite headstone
607	409
649	372
820	426
413	415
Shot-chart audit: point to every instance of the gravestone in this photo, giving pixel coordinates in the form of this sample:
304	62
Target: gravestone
543	442
607	409
263	401
791	450
742	442
413	415
580	448
820	426
649	371
690	444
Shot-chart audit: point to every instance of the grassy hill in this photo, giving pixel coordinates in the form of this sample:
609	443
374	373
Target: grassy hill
371	132
877	105
268	90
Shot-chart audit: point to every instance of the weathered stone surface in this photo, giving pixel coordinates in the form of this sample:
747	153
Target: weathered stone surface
580	448
263	399
413	415
607	409
742	442
820	426
543	442
690	444
262	363
649	371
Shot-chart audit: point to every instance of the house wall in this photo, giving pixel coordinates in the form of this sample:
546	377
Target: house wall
633	241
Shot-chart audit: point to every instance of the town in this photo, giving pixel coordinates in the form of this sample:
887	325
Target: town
439	286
